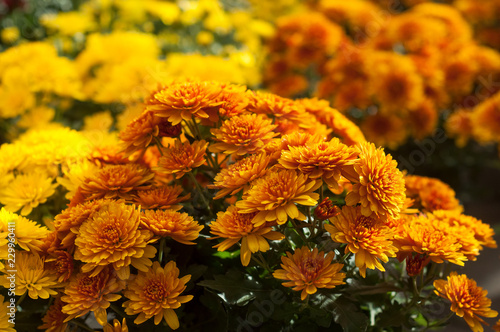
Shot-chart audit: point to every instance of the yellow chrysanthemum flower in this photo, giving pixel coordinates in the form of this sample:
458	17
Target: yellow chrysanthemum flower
111	237
379	185
31	276
274	196
179	226
323	160
234	226
27	232
117	326
243	134
26	191
5	325
468	300
367	237
156	292
86	293
309	270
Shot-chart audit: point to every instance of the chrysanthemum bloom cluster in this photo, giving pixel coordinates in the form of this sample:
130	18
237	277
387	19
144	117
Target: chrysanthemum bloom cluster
353	48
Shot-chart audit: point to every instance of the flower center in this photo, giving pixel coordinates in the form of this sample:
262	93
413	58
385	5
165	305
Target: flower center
110	234
155	291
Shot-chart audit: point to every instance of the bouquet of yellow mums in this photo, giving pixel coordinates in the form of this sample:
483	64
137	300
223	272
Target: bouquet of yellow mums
224	208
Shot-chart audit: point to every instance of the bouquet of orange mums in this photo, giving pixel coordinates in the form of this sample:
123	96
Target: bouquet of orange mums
230	209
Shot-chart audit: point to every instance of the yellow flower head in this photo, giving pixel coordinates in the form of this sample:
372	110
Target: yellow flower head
181	158
468	300
179	226
275	194
379	185
111	237
5	325
117	326
32	277
237	176
86	293
26	232
165	197
308	270
184	100
323	160
156	292
116	181
234	226
26	191
243	134
367	237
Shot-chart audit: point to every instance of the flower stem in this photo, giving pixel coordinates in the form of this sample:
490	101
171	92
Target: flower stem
158	143
22	298
205	202
81	325
160	250
117	310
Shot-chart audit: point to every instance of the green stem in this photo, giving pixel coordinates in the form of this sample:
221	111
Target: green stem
22	298
197	130
81	325
117	310
301	234
162	246
205	202
158	143
441	321
264	261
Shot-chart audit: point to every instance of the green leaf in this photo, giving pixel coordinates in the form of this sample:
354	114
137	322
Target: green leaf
237	288
227	254
346	313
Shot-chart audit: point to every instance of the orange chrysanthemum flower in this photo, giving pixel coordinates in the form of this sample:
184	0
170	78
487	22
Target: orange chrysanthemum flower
323	160
165	197
468	300
182	158
86	293
117	326
379	185
367	237
156	292
459	126
116	181
237	176
183	100
140	132
234	226
242	134
309	270
424	236
54	318
179	226
431	194
32	276
61	262
69	220
385	130
111	237
274	196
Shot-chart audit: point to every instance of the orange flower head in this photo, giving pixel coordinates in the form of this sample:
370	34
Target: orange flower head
367	237
181	158
243	134
179	226
185	100
275	194
111	237
165	197
156	292
385	130
140	132
424	236
309	270
431	194
326	209
237	176
53	320
323	160
62	263
459	126
86	293
69	220
116	181
379	185
234	226
468	300
234	100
